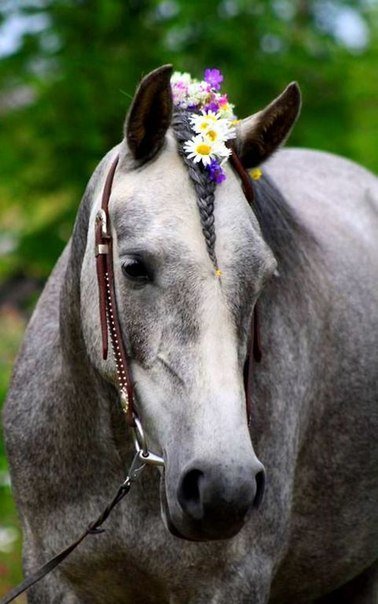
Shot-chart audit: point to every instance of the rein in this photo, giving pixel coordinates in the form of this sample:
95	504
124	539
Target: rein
110	325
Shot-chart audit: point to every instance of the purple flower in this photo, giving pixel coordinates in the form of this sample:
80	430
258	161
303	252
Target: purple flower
214	78
212	107
216	172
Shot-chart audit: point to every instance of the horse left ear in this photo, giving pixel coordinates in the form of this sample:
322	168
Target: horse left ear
259	135
150	114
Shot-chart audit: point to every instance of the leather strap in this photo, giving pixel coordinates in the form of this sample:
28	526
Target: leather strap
254	352
93	529
244	177
109	316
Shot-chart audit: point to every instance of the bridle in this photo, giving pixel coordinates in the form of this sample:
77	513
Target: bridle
110	325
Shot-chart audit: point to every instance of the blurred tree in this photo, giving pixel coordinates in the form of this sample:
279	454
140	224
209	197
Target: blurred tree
71	66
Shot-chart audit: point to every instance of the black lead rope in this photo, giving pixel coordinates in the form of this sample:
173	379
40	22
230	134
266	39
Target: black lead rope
137	465
93	529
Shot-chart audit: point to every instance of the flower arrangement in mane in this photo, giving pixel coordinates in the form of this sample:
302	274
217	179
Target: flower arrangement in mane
212	120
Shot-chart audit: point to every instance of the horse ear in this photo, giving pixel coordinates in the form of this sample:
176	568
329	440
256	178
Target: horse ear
259	135
150	114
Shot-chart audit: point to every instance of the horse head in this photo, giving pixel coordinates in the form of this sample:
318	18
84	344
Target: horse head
187	277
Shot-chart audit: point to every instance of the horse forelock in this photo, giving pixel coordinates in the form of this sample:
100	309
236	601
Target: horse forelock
203	185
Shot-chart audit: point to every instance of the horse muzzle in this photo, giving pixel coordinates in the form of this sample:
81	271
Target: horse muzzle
212	500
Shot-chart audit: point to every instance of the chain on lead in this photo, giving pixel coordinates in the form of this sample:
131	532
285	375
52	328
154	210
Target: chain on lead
121	373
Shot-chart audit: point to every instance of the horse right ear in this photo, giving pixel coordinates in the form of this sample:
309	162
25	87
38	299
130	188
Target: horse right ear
258	136
150	114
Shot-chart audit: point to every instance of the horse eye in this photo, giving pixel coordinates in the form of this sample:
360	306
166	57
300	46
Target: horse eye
136	270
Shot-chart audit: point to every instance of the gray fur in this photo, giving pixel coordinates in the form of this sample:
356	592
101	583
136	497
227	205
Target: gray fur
314	403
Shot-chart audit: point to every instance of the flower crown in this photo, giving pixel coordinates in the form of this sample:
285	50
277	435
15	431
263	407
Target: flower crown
212	120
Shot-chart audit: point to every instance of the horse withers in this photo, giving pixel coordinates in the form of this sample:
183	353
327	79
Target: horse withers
308	252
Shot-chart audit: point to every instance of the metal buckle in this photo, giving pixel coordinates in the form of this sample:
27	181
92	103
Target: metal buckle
101	249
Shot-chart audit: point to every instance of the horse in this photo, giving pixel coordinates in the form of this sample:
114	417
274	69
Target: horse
196	531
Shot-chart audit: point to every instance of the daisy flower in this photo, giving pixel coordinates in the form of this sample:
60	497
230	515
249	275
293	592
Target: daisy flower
200	150
222	152
201	123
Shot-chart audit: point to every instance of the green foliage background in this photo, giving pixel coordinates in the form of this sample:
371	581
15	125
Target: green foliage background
66	83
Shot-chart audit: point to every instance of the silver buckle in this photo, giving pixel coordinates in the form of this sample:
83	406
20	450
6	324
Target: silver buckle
101	249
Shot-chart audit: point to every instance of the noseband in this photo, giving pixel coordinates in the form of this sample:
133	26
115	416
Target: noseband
109	318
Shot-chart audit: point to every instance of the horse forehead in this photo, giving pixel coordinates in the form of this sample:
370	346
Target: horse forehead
161	197
161	188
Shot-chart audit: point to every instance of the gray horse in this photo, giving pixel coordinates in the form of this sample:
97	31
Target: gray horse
308	251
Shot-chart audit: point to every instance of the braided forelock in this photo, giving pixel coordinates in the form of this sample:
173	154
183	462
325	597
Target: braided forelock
204	187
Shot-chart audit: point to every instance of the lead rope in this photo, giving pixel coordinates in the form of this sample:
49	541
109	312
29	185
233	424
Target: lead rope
94	528
110	324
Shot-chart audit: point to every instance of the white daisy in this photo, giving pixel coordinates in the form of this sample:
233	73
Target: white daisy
223	153
202	122
199	149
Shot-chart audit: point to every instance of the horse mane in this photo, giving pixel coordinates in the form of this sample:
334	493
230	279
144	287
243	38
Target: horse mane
291	242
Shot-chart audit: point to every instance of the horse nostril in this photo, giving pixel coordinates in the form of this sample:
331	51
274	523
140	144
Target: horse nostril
189	495
260	488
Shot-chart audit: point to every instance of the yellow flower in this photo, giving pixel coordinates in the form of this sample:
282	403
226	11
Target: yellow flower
255	174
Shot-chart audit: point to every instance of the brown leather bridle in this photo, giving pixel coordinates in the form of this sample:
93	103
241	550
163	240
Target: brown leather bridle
109	318
108	302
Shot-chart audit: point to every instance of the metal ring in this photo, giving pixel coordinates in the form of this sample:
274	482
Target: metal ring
139	438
